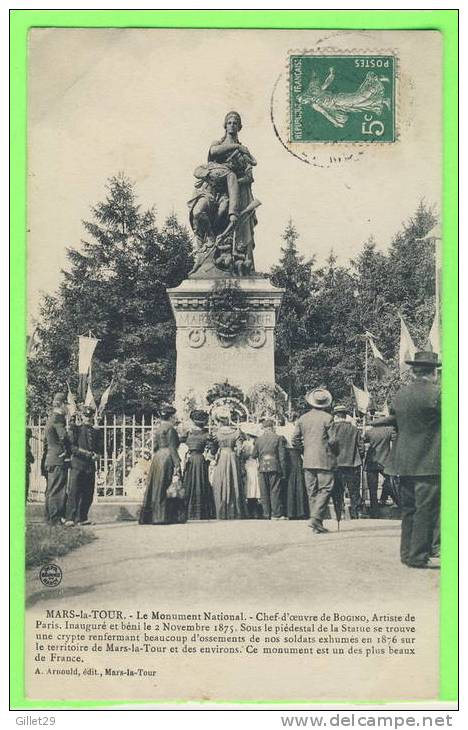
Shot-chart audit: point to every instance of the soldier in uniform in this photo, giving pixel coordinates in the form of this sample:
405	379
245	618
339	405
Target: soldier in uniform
415	413
29	460
56	460
85	449
270	450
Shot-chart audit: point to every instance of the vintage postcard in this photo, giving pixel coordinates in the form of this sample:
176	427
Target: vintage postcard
234	365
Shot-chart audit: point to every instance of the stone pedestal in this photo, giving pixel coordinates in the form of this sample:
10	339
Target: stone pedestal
202	359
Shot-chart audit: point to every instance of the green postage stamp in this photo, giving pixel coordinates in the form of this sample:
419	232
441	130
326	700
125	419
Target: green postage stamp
342	98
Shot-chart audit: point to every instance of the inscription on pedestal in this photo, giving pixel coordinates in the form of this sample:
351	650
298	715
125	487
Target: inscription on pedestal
200	319
203	359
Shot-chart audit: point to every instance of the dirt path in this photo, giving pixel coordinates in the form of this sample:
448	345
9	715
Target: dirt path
263	562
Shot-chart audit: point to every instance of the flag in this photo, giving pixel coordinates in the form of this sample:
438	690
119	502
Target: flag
104	398
71	403
407	346
434	335
89	400
381	366
86	347
32	344
362	399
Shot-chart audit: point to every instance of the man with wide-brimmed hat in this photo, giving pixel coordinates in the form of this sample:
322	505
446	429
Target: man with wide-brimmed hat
415	412
85	448
313	431
348	458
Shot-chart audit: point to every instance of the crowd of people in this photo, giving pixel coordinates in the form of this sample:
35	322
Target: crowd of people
274	470
290	471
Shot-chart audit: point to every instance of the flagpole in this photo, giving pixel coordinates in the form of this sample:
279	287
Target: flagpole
90	367
365	363
363	496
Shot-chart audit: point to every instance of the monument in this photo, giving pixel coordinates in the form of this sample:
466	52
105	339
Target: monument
224	311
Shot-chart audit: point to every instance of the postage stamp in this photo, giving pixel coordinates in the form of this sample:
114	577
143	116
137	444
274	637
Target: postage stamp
342	98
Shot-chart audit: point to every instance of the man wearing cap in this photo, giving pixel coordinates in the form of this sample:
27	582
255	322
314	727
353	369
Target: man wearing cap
56	461
85	449
415	457
314	431
270	450
348	459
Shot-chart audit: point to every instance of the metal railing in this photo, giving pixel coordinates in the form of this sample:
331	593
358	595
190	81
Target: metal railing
127	447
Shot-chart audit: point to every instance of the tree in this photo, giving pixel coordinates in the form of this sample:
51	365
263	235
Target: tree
294	274
411	272
334	357
326	311
115	288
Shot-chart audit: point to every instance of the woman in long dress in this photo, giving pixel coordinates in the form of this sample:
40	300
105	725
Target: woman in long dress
250	472
198	491
297	507
227	482
157	508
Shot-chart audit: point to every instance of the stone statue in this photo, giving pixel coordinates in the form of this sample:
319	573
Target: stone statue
222	209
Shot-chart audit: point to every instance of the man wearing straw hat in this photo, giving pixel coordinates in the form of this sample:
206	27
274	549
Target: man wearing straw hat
415	457
314	431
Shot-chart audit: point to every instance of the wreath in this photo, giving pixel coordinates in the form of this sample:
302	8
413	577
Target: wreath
266	399
227	310
224	390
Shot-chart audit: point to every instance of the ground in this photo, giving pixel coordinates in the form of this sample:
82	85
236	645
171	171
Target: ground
219	562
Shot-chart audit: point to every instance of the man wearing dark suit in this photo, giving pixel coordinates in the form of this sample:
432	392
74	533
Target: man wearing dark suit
56	461
378	454
84	441
29	460
416	457
270	450
313	432
348	459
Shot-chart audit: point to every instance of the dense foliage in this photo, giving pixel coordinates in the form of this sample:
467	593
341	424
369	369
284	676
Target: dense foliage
326	310
115	288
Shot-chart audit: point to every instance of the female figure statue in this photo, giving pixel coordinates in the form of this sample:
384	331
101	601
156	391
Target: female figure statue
222	211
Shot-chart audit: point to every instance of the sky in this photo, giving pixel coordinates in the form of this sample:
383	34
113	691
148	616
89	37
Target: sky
150	102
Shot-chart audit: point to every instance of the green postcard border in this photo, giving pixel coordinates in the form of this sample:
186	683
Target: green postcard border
445	21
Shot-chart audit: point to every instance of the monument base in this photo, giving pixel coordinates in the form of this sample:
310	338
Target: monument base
203	359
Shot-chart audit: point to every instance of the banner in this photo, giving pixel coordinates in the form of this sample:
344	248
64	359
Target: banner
434	335
86	347
362	399
89	400
382	369
104	398
71	403
407	346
